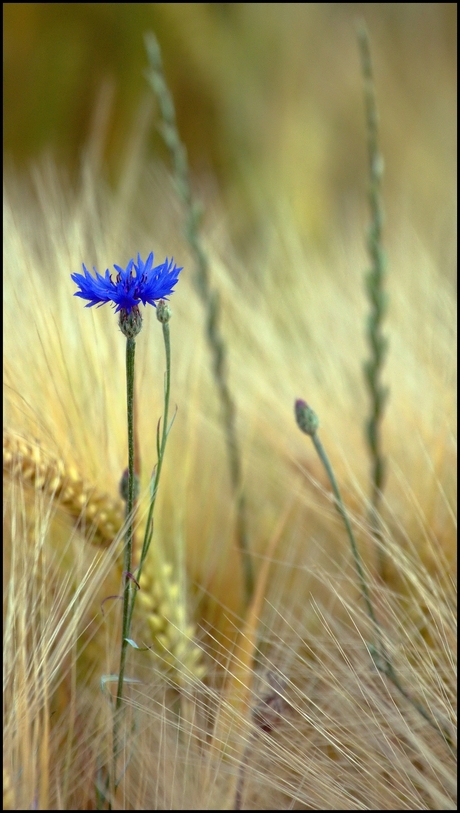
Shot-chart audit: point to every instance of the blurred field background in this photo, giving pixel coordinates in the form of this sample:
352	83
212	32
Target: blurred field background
270	106
268	101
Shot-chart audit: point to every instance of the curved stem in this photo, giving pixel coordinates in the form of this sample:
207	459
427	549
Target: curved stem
379	655
354	547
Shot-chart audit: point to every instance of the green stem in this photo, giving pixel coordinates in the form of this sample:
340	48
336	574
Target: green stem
380	656
377	296
156	477
354	547
128	551
210	300
161	451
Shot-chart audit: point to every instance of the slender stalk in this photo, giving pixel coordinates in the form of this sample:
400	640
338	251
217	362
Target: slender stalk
378	301
380	655
341	509
209	298
150	285
128	551
378	346
129	593
161	447
157	472
308	422
381	649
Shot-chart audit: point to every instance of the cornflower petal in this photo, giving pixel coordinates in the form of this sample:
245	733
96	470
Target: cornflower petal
160	283
97	290
144	268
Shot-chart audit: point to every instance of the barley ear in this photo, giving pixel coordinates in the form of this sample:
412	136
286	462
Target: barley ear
96	514
169	633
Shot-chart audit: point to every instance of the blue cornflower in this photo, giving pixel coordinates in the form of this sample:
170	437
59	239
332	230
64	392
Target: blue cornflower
138	283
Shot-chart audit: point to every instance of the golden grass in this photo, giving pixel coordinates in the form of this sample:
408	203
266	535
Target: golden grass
345	738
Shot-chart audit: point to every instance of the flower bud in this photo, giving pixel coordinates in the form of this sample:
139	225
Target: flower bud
307	419
130	323
163	312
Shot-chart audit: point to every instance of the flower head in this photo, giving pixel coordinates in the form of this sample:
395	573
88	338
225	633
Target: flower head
139	282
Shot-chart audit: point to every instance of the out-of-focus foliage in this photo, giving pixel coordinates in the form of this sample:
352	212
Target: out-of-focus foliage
268	96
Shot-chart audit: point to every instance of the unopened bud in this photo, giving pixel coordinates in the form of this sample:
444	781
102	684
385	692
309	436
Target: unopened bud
307	419
130	323
163	312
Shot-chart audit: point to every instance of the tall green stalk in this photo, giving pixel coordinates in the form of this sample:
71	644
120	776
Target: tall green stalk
128	553
308	422
378	302
130	590
163	315
138	282
209	298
